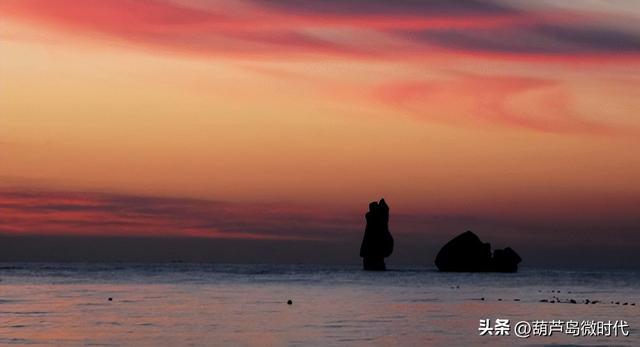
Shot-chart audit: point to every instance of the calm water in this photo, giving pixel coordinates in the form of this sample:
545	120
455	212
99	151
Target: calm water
245	305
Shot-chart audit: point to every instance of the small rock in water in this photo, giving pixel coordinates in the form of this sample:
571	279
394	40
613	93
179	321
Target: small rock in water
516	299
617	302
626	303
633	304
544	300
499	299
572	301
110	299
482	299
289	302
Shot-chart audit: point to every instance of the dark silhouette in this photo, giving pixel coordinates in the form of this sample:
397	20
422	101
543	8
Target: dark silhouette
466	253
505	260
377	242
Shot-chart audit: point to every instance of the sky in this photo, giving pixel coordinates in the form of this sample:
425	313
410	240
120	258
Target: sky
277	122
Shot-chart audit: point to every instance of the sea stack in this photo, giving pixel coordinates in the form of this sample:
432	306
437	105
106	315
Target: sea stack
466	253
377	242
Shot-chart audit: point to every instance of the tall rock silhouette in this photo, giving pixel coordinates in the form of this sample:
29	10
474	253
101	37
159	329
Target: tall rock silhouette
377	242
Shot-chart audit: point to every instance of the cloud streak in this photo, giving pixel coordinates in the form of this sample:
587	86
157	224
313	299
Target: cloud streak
472	100
538	39
410	8
412	33
303	28
94	214
39	212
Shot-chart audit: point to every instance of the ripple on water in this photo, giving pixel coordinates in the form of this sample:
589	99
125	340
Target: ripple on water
18	326
108	323
424	300
16	341
26	313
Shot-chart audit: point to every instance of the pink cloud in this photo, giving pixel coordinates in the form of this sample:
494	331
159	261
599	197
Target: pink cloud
291	29
98	214
473	100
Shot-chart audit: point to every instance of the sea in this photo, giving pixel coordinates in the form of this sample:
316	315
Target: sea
182	304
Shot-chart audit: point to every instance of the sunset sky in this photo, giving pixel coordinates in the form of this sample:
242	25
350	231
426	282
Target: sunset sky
281	120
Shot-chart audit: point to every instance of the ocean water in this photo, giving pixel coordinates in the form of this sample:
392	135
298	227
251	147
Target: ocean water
246	305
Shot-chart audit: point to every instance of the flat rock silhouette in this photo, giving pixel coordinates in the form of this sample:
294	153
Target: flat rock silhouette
377	242
466	253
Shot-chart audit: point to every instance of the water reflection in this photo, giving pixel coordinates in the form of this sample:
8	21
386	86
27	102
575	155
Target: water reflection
329	309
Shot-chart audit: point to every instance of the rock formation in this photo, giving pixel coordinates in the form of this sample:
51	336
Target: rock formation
377	242
505	260
466	253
